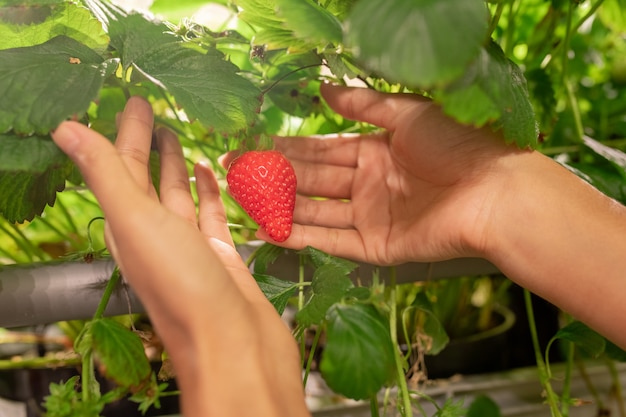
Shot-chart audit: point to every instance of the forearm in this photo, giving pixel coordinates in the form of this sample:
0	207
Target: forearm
562	239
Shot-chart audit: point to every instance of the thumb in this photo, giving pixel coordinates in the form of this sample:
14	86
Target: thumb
367	105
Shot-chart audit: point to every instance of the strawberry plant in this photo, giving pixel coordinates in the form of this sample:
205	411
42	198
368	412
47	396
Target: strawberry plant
548	73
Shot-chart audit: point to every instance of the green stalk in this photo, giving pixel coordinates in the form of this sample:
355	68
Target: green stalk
309	361
510	29
46	362
544	378
106	296
68	217
405	395
496	17
374	407
301	304
597	399
567	380
617	387
20	240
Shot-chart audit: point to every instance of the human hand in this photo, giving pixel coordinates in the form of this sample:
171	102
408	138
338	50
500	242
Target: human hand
222	334
422	190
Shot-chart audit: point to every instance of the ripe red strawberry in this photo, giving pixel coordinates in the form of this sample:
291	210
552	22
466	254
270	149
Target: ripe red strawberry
264	184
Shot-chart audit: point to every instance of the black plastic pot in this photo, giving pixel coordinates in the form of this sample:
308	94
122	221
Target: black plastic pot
483	352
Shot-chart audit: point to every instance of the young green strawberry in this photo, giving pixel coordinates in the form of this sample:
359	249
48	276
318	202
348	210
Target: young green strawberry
264	184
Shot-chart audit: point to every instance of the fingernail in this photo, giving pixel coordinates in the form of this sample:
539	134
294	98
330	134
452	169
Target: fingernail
65	137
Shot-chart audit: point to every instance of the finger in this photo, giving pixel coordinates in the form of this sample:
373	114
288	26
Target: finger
326	213
341	150
321	180
134	139
370	106
211	214
175	193
226	159
103	169
344	243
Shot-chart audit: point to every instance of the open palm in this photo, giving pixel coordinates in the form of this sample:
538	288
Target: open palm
422	189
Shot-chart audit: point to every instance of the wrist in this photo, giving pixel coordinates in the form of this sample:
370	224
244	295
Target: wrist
252	369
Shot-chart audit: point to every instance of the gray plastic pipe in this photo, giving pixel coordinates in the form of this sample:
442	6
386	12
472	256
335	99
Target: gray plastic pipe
51	292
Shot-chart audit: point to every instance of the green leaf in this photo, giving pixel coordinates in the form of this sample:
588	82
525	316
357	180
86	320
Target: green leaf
328	287
493	89
266	255
272	39
310	22
613	14
453	407
615	352
204	83
616	157
483	406
24	25
134	35
583	337
44	84
30	154
277	291
421	44
358	358
260	13
24	195
121	353
320	258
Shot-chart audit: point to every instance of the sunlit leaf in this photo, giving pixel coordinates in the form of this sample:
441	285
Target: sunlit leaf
421	44
310	22
27	25
261	13
33	78
358	358
204	83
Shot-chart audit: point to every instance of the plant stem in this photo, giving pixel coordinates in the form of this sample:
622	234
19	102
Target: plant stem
589	384
301	305
108	291
374	405
544	377
617	386
405	396
309	361
496	17
567	380
45	362
68	217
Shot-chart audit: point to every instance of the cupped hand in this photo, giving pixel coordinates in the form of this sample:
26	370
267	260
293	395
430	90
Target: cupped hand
222	334
422	189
